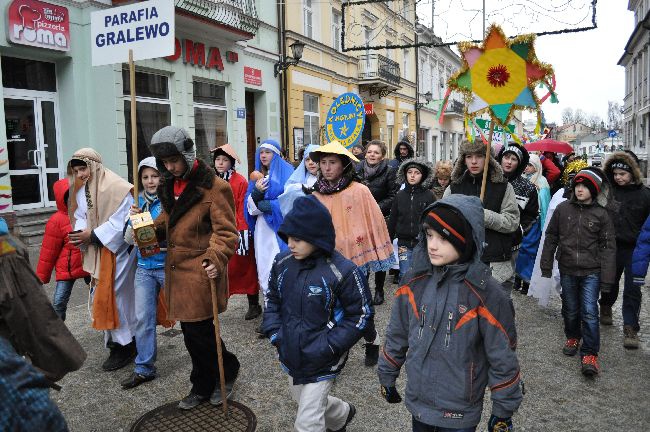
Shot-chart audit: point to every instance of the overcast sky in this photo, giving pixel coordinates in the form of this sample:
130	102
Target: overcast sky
585	63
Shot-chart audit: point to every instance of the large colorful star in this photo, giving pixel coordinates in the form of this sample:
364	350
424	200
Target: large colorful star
499	77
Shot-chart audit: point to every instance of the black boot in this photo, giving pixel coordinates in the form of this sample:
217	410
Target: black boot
254	310
120	356
372	354
380	279
524	287
517	284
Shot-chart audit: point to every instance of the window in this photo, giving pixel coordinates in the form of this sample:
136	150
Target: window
307	16
210	117
406	11
405	124
405	63
389	51
336	30
153	110
28	74
312	119
390	125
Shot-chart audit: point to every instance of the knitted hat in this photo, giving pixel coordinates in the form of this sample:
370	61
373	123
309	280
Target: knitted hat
309	221
591	180
172	141
514	149
450	224
621	164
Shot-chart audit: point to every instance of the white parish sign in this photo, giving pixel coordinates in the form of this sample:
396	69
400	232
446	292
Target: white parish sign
147	28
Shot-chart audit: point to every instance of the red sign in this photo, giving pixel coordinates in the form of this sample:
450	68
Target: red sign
39	24
252	76
370	109
194	54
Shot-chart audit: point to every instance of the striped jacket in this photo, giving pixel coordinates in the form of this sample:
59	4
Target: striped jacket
316	310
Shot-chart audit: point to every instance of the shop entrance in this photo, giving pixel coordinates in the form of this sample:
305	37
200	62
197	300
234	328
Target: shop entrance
33	144
251	142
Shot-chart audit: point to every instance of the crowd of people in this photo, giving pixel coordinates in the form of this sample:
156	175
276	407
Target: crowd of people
309	238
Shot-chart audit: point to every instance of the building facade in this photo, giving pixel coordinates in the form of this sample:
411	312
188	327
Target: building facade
636	61
218	84
384	79
438	141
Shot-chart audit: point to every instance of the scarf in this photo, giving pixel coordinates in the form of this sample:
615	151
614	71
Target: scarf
324	187
104	191
225	175
371	171
148	199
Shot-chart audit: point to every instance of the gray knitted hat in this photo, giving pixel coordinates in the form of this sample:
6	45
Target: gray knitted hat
172	141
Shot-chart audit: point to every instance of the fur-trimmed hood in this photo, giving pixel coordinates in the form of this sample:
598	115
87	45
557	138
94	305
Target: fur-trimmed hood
407	144
466	147
426	167
202	178
626	158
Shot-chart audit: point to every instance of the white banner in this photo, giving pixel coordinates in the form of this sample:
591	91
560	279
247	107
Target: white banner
146	27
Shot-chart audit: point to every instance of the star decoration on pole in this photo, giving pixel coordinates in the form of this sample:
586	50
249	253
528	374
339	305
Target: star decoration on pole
499	76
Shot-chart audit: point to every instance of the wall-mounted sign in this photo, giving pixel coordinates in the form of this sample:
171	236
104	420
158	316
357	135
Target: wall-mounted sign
39	24
369	108
345	119
147	28
241	113
252	76
194	53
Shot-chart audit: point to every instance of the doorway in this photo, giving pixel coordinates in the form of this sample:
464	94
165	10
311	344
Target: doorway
33	144
251	140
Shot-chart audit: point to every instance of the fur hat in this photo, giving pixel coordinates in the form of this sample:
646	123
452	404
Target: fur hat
476	147
171	141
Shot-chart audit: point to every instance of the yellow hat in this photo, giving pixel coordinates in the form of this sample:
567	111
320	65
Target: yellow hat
333	147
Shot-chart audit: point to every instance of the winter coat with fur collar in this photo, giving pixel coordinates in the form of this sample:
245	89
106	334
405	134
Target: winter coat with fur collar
633	201
199	226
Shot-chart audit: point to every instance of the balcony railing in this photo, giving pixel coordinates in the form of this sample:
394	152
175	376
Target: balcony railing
376	67
455	107
238	14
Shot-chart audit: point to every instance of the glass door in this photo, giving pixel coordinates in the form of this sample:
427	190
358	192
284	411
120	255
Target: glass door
32	141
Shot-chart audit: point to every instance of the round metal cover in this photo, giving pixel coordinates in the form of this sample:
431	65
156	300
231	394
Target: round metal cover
202	418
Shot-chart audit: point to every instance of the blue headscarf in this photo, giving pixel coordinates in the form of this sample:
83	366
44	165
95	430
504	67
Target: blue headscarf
301	174
279	172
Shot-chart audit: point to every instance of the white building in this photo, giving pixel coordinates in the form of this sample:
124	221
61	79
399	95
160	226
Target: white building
636	60
435	65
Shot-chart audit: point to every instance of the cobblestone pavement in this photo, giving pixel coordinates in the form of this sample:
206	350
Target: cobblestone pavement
558	397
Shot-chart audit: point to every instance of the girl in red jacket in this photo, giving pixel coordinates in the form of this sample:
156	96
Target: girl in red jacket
58	253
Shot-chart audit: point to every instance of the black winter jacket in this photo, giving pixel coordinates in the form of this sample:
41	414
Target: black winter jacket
404	220
382	184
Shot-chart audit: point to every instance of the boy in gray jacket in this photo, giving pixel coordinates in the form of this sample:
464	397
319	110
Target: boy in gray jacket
457	326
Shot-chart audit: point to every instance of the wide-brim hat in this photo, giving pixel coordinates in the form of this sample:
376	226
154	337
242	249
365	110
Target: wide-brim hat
333	147
228	150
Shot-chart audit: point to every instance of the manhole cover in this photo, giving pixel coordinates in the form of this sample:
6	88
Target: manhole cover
202	418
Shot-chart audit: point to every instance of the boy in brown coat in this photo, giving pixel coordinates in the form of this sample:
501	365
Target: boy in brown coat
198	222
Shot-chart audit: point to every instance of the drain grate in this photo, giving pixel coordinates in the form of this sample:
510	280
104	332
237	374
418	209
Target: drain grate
204	417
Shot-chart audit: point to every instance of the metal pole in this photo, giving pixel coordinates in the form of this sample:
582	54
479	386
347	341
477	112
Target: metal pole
483	18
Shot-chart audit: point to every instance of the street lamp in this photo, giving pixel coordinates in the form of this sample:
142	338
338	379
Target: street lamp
296	51
427	97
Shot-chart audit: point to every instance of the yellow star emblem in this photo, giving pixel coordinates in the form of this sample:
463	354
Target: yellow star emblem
344	130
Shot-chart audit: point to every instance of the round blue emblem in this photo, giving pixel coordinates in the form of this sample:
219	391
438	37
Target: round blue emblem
345	119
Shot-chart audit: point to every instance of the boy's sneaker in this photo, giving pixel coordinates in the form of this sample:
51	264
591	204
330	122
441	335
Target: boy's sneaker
372	354
348	420
191	400
571	347
631	338
606	315
590	365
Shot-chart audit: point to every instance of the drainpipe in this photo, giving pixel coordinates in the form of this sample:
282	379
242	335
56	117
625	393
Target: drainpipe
417	92
281	82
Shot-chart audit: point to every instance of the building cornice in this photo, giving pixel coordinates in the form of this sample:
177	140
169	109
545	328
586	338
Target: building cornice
641	29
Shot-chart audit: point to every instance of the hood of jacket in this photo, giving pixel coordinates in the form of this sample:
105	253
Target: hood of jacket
637	177
525	158
472	209
396	151
60	187
466	147
425	167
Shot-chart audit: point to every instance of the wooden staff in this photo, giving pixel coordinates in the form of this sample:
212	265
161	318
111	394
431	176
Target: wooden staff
217	334
134	128
488	150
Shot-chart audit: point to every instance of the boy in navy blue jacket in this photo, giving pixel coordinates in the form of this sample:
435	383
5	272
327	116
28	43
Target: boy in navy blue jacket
318	307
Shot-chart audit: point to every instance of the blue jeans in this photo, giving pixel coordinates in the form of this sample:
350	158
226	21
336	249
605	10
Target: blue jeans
631	293
62	292
404	254
423	427
580	310
147	288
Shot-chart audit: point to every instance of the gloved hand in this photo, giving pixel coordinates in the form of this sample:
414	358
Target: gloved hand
499	424
606	288
390	394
